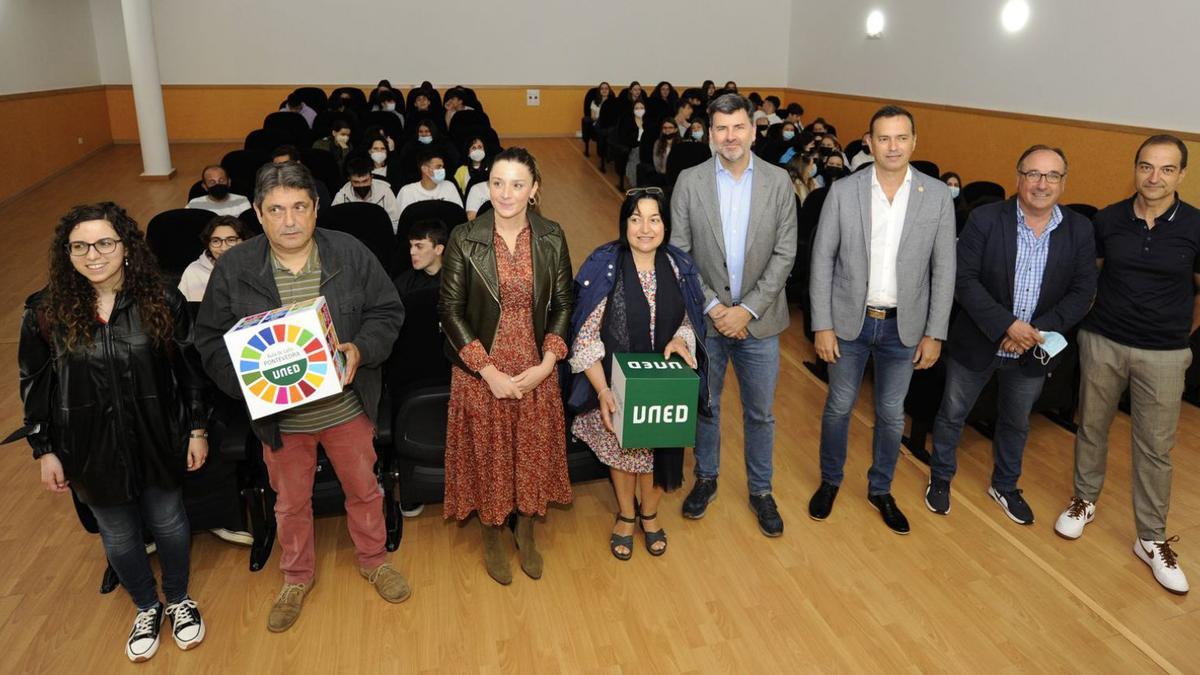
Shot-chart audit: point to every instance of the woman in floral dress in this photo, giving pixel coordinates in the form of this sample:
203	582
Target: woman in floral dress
505	307
636	294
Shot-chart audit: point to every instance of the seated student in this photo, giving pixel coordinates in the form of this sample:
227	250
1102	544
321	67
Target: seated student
219	199
386	101
625	141
683	116
290	153
343	106
662	101
429	138
770	108
592	103
297	105
477	164
864	154
802	169
477	196
365	186
423	109
794	112
456	100
377	150
761	126
426	244
218	236
337	143
791	142
697	131
668	136
433	184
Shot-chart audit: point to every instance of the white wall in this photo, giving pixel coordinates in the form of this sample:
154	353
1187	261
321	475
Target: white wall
452	41
46	44
1102	60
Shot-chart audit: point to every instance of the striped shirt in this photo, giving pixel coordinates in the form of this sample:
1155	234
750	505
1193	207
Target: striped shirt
322	414
1031	265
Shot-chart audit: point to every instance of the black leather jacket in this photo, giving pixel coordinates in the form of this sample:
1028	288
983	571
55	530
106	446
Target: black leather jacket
469	305
117	414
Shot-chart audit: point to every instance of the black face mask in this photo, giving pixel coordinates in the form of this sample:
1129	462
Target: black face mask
362	191
219	191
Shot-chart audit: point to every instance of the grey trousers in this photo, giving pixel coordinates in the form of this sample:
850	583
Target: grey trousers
1155	382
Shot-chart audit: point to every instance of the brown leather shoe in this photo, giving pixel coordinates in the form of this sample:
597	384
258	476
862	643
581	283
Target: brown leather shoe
287	606
387	580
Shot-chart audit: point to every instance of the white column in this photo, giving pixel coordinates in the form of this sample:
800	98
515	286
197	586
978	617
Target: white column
147	89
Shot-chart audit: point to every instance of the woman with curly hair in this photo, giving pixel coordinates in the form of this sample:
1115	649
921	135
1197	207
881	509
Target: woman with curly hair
114	407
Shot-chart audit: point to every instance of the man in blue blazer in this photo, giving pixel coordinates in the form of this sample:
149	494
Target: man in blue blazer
1026	270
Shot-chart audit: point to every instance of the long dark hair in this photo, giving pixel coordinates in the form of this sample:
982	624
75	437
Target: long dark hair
69	305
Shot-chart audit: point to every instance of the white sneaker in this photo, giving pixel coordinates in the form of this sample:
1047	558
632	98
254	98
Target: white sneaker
143	637
1070	524
233	536
1163	562
186	625
411	510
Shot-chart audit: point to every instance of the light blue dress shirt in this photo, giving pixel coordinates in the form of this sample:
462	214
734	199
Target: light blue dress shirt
1032	253
734	198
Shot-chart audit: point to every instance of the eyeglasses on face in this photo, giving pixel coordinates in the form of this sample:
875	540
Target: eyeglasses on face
102	246
218	242
1053	177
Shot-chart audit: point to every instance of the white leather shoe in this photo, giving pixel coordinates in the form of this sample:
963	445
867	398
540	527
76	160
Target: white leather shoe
1164	562
1079	513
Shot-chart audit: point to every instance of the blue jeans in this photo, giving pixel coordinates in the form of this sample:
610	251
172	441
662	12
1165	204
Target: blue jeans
161	511
893	371
1018	392
756	364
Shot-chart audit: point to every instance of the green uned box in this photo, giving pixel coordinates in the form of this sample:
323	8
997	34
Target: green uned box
656	401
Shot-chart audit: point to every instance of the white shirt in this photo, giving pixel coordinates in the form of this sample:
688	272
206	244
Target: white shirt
887	224
477	197
774	119
195	278
381	194
863	157
232	206
414	192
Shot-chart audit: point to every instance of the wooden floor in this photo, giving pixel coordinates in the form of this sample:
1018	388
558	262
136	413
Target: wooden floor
968	592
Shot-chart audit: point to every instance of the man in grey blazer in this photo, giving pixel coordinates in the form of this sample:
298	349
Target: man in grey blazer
882	286
736	216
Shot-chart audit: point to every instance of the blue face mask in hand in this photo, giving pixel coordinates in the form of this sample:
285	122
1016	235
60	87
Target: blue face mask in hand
1053	344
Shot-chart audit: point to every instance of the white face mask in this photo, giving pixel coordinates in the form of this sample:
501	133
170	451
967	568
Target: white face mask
378	156
425	139
954	190
638	112
389	107
476	155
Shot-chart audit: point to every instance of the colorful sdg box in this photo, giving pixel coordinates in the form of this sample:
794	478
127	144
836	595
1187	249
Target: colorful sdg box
656	401
286	357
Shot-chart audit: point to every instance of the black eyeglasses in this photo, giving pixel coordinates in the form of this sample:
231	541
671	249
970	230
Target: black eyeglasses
216	242
1035	176
102	246
639	191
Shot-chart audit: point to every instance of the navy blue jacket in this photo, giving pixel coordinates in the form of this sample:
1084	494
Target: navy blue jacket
987	260
595	281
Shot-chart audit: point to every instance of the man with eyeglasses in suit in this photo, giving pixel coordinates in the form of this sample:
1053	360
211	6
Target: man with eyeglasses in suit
1026	268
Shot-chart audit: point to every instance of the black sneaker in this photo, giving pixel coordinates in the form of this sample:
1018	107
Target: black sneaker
703	493
892	516
770	522
937	495
821	503
186	625
143	638
1014	505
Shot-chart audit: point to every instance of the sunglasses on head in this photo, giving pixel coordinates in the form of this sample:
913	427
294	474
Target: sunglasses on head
641	191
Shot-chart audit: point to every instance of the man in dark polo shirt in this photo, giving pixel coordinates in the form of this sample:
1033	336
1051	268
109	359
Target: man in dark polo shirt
294	262
1136	337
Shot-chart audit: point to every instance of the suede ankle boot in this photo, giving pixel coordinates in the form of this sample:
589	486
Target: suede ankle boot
531	559
494	558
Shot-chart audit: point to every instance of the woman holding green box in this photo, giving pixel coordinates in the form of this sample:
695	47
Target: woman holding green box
636	294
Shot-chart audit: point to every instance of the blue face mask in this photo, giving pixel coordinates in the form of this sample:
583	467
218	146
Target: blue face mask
1053	344
789	135
954	190
439	175
697	135
425	139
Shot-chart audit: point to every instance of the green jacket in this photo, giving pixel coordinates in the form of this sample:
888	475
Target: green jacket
469	305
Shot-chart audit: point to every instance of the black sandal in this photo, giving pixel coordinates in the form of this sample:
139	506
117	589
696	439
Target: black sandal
622	540
653	538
